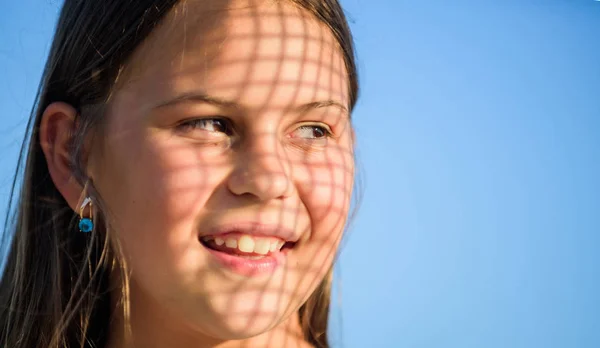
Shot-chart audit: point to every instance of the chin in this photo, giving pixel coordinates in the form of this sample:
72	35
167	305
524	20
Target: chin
241	326
241	317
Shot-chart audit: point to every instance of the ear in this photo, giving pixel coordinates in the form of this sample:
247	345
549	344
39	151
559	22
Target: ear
56	129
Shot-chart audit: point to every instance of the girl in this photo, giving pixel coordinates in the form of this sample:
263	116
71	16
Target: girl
188	174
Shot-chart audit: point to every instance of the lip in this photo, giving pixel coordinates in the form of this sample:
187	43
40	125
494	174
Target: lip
254	229
249	267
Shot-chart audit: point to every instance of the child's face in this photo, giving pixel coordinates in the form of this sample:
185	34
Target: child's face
274	79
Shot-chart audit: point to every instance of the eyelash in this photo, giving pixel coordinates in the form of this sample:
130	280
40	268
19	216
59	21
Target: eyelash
326	132
196	123
227	127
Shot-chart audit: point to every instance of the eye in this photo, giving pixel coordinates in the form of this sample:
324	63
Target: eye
311	131
208	124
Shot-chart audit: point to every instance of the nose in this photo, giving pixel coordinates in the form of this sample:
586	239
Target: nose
262	170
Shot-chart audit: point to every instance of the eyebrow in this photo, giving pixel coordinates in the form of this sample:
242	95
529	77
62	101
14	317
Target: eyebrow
199	98
216	101
321	104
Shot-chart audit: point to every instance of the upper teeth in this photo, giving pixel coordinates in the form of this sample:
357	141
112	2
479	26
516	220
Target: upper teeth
249	244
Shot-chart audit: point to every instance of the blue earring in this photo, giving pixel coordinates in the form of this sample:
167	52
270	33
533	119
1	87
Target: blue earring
86	224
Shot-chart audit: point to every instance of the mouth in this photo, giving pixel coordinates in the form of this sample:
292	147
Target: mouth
247	254
246	246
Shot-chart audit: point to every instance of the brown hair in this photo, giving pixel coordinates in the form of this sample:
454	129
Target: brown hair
54	291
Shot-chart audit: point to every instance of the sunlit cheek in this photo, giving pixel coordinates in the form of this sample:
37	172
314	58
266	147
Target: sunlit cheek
327	204
327	189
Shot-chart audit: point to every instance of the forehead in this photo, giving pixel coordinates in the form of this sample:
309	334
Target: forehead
258	53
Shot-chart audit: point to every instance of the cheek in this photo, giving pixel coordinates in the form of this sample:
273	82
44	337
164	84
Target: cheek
326	190
162	184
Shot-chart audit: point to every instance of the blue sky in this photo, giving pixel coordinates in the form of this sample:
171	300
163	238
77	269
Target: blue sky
479	139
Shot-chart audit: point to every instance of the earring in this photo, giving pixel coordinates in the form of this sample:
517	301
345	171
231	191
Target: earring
86	224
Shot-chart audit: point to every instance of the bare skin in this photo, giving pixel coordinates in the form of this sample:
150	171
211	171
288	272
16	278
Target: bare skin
230	111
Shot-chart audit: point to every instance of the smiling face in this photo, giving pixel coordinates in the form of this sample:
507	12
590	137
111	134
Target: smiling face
227	165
